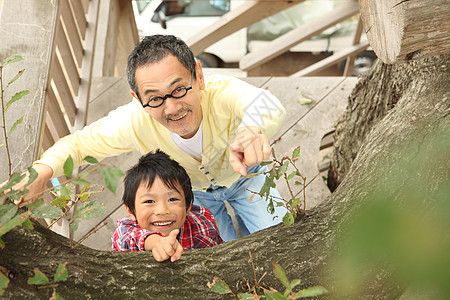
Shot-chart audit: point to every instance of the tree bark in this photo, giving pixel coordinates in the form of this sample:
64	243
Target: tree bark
403	30
419	107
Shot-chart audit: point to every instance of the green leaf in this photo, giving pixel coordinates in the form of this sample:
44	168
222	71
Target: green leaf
17	96
2	245
111	175
60	202
7	212
27	224
39	278
16	77
68	166
274	295
294	283
219	286
281	275
66	191
4	281
311	292
295	202
304	101
32	177
251	175
296	153
15	179
61	273
288	219
56	296
16	221
11	59
47	212
91	160
89	210
265	163
81	182
283	168
246	296
290	176
15	125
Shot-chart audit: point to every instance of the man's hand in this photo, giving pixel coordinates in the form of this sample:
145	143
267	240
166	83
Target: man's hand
36	188
164	247
250	146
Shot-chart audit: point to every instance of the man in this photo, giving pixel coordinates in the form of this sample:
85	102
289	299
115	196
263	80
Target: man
216	128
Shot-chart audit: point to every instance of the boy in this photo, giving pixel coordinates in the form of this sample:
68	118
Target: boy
161	218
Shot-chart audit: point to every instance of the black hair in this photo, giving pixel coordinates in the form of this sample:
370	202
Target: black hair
150	166
154	48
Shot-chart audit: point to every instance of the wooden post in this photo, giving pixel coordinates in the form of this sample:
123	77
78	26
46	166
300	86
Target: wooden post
404	30
27	28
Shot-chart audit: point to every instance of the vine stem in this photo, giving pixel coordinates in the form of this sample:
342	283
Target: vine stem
4	123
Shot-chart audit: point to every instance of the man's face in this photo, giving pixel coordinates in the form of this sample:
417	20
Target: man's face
181	116
159	208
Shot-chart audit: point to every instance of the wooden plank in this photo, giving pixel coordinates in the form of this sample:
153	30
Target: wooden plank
63	90
290	89
331	60
82	100
128	37
56	115
47	140
80	16
302	33
307	133
71	31
30	35
107	36
243	16
67	58
350	63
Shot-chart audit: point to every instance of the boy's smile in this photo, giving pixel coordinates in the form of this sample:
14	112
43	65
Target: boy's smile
159	208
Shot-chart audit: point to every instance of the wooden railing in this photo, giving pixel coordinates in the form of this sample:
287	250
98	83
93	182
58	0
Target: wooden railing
71	69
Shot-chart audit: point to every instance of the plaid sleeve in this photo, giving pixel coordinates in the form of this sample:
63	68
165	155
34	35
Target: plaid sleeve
129	236
200	230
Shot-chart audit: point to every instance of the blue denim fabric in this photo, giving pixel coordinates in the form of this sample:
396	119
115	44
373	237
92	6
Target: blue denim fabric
251	215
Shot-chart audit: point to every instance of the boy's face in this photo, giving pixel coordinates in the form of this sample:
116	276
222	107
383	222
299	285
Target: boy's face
159	208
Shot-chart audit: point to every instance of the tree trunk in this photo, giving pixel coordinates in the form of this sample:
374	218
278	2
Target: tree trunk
409	110
403	30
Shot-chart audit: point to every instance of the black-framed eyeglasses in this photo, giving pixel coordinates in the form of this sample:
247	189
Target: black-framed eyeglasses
176	93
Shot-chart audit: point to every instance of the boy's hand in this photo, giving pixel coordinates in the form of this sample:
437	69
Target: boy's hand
164	247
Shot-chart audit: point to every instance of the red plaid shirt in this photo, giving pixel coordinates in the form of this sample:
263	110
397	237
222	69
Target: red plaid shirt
199	231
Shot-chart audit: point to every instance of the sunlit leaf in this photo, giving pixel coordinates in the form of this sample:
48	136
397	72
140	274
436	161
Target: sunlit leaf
265	163
56	296
17	96
281	275
304	101
11	59
4	281
66	191
290	176
27	224
283	168
288	219
16	77
14	222
61	273
312	292
89	210
39	278
60	202
247	296
219	286
68	166
275	295
15	125
296	153
47	212
111	175
251	175
91	160
296	202
294	283
81	182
